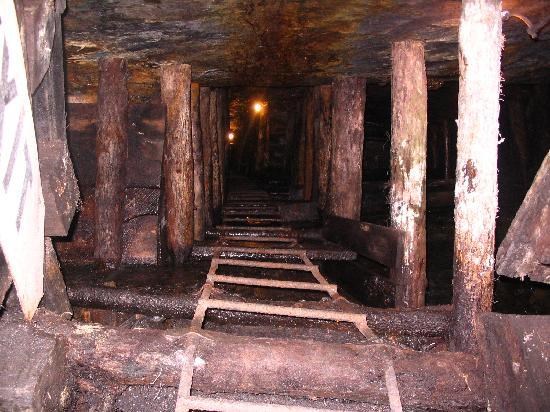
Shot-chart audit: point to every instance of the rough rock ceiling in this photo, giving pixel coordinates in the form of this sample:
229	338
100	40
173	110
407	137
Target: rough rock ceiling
281	42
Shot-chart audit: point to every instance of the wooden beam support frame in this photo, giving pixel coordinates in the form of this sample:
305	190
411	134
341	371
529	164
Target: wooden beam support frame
476	200
408	170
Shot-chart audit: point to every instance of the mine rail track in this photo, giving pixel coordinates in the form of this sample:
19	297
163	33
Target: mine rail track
185	400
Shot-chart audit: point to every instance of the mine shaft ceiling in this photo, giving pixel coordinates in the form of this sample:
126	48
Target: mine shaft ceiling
281	42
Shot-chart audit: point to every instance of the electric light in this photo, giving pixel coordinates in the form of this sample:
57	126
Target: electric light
258	107
230	136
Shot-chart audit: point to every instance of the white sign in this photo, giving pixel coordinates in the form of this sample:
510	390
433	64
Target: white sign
21	202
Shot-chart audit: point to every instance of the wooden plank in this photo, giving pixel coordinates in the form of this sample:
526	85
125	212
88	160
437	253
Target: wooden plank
21	200
59	184
525	251
379	243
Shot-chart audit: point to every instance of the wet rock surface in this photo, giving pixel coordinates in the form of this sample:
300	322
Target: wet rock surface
279	42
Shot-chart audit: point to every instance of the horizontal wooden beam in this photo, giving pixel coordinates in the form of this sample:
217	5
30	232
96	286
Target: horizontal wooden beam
379	243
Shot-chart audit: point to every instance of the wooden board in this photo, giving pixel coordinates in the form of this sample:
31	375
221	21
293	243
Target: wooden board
21	201
525	251
379	243
59	185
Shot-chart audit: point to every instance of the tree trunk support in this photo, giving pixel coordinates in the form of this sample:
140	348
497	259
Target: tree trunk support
177	160
111	152
214	145
480	45
198	165
348	109
324	144
206	154
408	169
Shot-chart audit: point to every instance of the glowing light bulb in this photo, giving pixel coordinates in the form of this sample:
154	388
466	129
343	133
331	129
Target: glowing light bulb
230	136
258	107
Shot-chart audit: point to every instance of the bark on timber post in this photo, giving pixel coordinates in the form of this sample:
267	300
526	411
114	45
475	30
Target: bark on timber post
111	152
289	139
480	44
408	169
216	185
325	143
222	132
301	146
177	160
198	169
309	115
206	154
347	155
260	147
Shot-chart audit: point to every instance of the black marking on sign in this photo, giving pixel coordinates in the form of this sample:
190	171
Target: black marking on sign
8	87
26	187
13	155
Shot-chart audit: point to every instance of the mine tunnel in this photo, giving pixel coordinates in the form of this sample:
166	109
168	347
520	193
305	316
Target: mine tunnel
275	205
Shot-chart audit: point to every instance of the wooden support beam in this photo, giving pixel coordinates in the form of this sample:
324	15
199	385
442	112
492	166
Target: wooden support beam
379	243
55	292
408	169
324	143
216	172
525	251
111	152
177	160
349	94
300	158
480	46
198	166
236	364
222	134
207	154
59	185
309	149
261	161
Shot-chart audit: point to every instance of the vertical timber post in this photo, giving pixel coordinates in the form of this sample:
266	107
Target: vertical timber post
480	45
260	147
222	101
325	143
348	110
177	160
206	154
216	172
309	119
198	168
111	153
408	169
